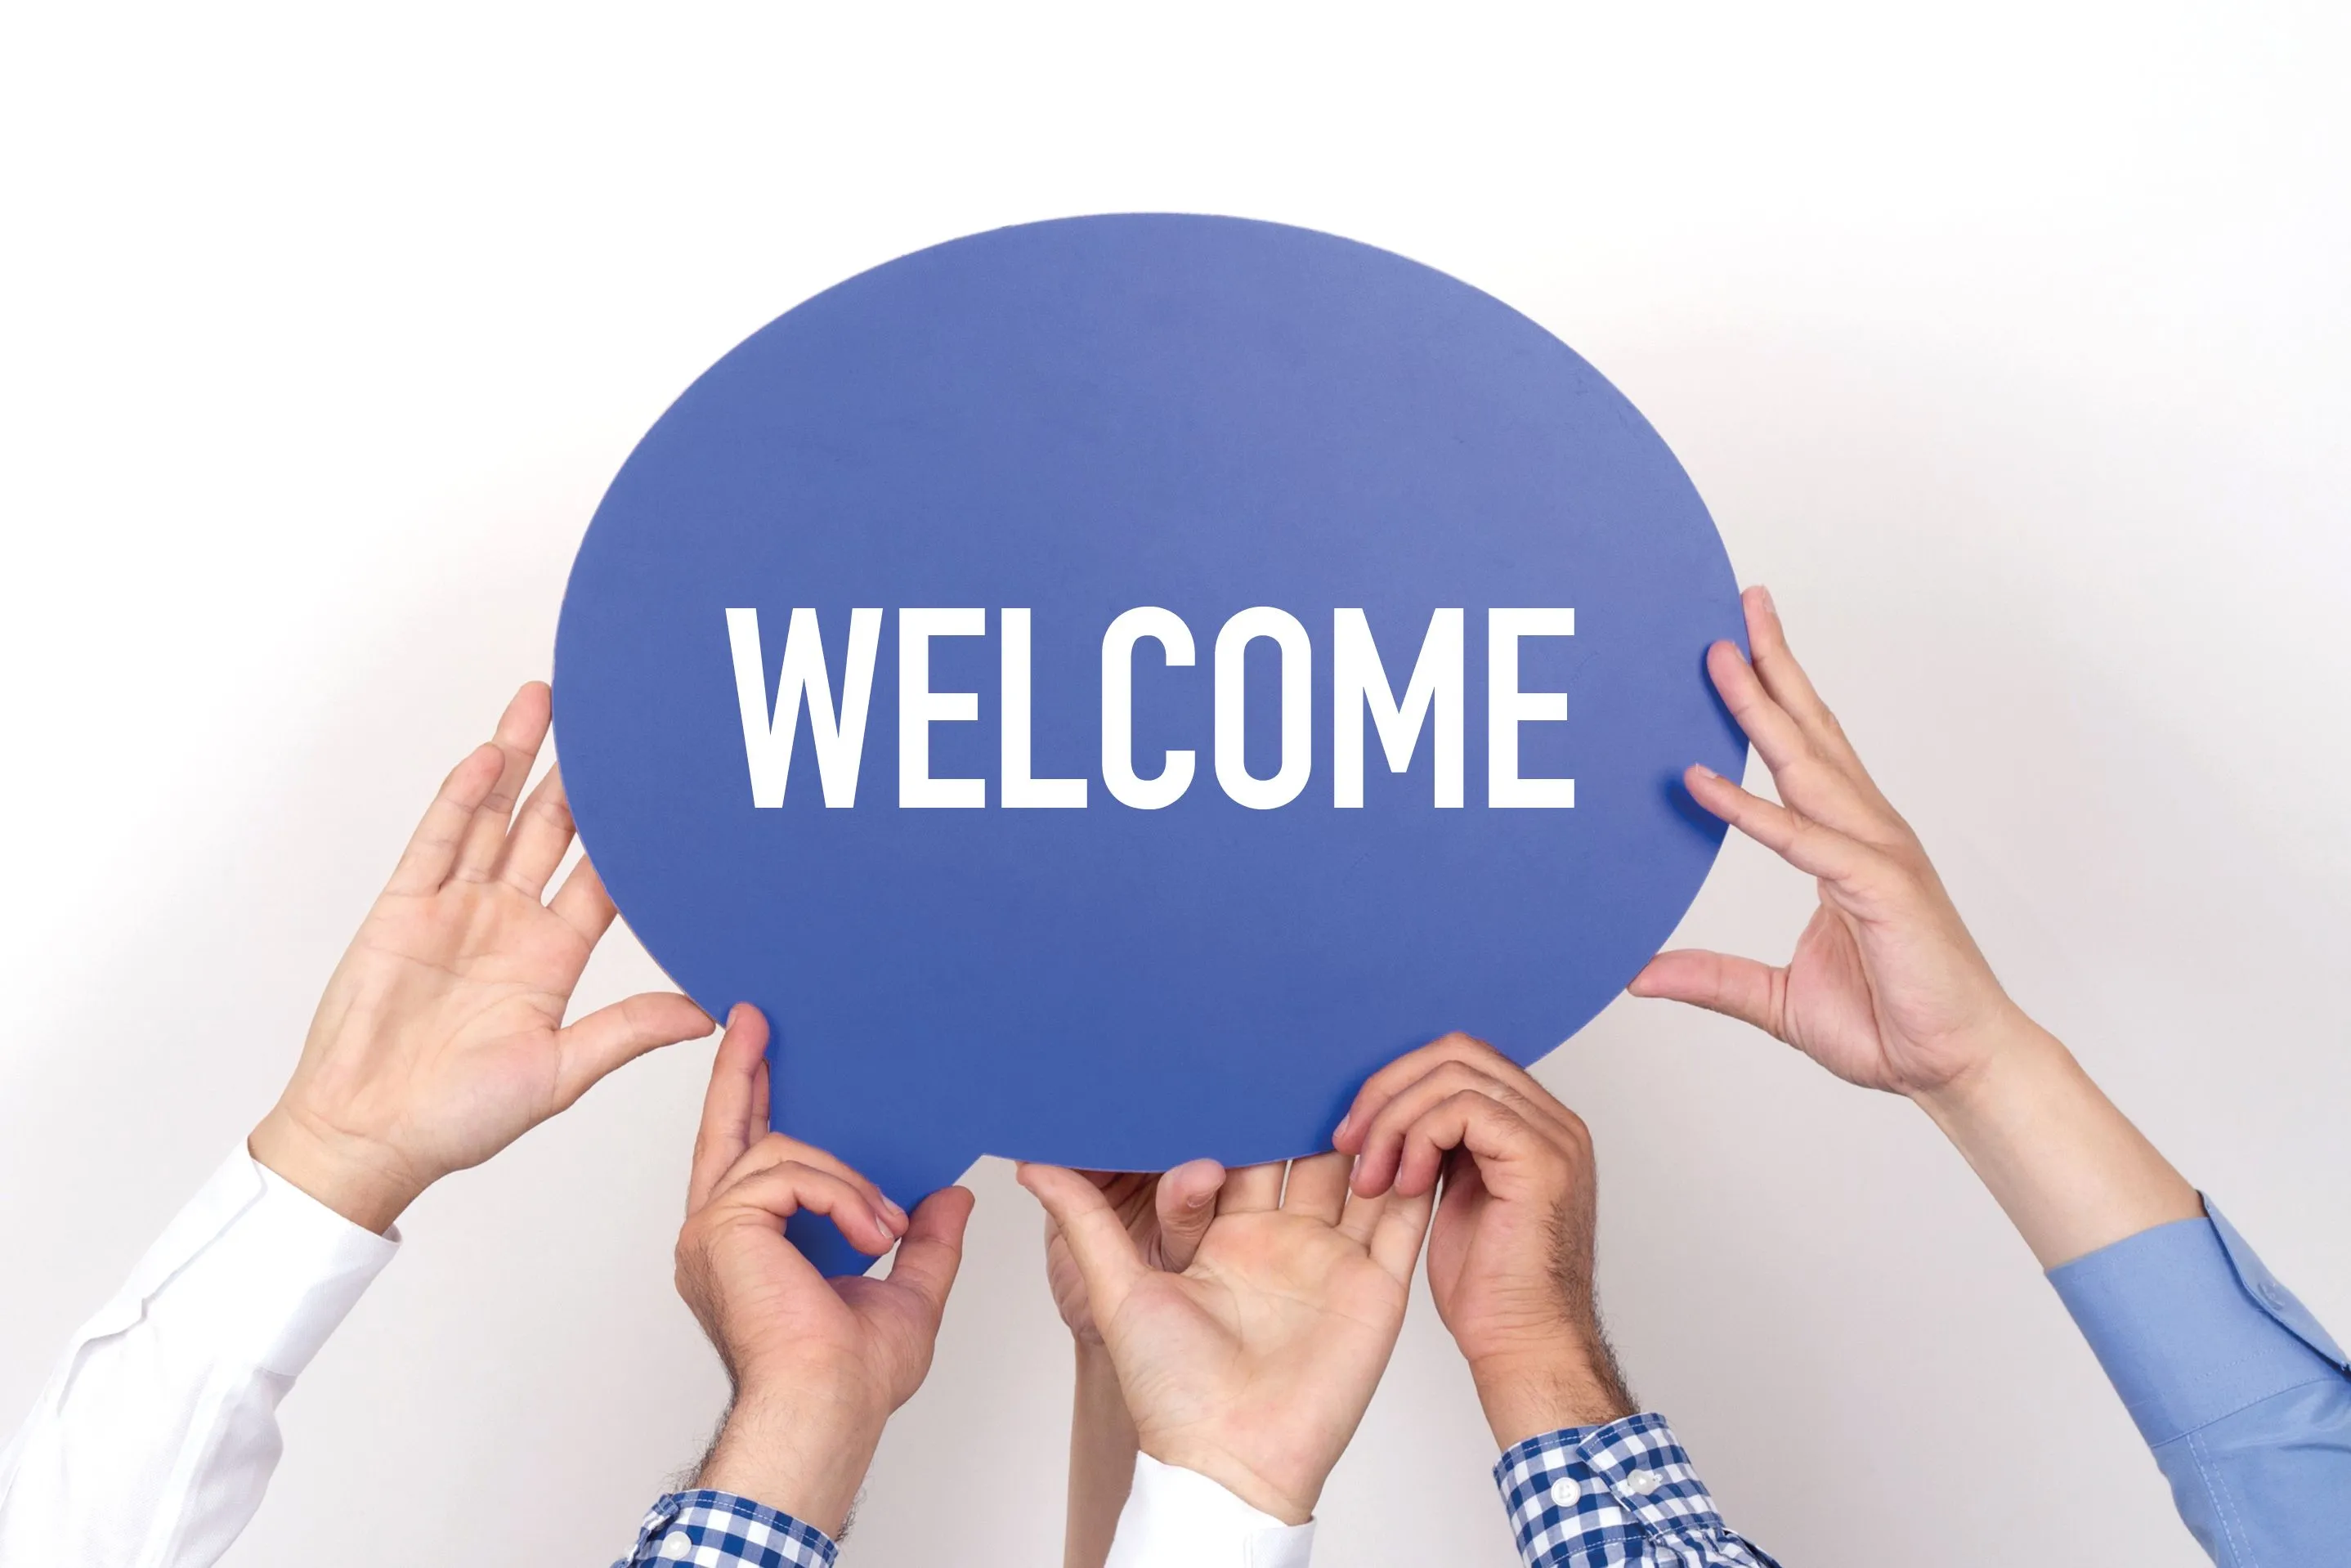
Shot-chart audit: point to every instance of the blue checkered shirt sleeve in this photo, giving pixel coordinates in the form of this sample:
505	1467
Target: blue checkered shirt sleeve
1622	1494
718	1530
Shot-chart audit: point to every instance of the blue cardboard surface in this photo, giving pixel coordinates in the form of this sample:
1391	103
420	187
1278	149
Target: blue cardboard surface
1079	418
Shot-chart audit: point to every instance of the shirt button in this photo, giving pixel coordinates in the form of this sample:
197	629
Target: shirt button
1564	1491
1640	1480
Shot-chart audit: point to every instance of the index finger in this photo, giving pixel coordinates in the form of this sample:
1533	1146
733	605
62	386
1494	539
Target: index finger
1414	1065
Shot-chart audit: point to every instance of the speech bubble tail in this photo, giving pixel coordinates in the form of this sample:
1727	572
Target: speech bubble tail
907	1175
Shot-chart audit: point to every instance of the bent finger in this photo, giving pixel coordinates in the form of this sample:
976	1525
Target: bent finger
1185	1201
782	1190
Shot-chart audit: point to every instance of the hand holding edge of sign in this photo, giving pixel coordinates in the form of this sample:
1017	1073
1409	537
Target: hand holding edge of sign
1887	989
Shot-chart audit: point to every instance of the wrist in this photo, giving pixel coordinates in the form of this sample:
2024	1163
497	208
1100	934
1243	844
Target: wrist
361	1180
1527	1393
1290	1499
2067	1166
799	1456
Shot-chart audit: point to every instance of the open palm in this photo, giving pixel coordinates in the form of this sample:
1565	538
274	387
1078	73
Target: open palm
439	1039
1254	1365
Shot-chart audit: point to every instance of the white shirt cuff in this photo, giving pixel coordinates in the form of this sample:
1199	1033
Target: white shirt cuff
1176	1518
255	1267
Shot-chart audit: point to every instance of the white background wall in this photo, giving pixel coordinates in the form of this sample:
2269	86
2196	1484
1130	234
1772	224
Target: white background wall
2007	342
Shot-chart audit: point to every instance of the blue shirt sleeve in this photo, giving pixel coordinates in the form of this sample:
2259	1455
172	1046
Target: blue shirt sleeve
719	1530
2244	1398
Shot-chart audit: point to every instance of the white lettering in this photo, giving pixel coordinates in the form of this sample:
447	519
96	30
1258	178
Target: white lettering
1167	629
919	707
1018	788
1358	681
1297	707
767	738
1507	707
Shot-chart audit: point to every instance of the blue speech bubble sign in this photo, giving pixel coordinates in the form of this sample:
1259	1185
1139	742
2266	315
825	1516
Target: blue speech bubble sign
1104	686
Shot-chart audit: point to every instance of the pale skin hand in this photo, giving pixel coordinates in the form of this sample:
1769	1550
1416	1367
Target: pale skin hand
1253	1366
1166	1216
1510	1248
1887	989
441	1038
818	1365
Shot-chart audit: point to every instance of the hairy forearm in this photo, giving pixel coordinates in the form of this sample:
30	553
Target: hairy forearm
801	1455
1101	1459
1573	1383
2067	1166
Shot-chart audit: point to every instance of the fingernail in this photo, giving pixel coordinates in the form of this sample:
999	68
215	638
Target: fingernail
1764	594
1702	770
882	1222
1339	1131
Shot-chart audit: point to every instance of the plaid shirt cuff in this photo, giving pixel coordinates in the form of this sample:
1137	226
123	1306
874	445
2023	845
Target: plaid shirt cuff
1602	1497
718	1530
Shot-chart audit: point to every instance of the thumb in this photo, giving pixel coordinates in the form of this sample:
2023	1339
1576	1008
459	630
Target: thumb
933	1248
1186	1203
1098	1241
1719	982
623	1032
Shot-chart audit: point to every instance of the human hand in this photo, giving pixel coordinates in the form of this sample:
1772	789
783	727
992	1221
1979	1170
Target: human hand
1164	1215
439	1039
818	1365
1885	988
1254	1365
1511	1247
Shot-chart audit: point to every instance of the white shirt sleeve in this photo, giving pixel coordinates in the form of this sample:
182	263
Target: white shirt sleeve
155	1439
1180	1519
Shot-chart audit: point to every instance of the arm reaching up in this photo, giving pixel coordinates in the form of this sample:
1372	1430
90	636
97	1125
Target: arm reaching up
2240	1392
1589	1480
817	1366
439	1041
1166	1216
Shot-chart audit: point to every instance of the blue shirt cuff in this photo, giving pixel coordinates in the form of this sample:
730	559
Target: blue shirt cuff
2191	1330
1622	1493
719	1530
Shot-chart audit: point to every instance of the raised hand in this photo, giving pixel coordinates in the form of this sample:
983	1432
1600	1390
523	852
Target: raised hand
1166	1216
1254	1363
1511	1247
1885	988
441	1037
818	1365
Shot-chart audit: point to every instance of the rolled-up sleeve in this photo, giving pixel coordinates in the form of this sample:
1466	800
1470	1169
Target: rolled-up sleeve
2244	1398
